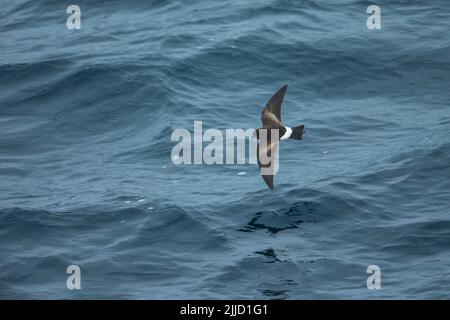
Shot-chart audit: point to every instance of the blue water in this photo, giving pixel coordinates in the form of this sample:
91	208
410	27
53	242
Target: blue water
86	176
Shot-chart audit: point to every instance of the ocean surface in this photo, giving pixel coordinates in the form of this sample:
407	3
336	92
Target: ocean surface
87	179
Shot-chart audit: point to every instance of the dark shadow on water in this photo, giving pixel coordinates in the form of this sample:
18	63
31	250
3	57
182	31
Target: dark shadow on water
276	294
269	254
280	220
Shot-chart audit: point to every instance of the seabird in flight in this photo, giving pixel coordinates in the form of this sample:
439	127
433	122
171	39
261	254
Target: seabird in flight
271	119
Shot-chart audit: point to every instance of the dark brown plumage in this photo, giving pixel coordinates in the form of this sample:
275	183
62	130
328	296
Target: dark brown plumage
271	119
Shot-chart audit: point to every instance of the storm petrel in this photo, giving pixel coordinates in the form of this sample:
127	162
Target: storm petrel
271	119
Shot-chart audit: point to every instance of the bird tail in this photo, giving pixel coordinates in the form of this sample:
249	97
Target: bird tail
297	132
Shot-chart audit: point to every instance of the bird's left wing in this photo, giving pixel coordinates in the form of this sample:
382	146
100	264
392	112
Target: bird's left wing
267	151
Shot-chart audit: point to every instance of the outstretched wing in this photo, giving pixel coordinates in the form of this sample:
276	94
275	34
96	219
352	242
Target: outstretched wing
268	180
272	112
263	152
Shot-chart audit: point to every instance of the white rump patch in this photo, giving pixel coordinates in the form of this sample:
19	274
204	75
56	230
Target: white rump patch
287	134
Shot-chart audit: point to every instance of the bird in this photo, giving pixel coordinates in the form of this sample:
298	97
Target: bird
271	120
